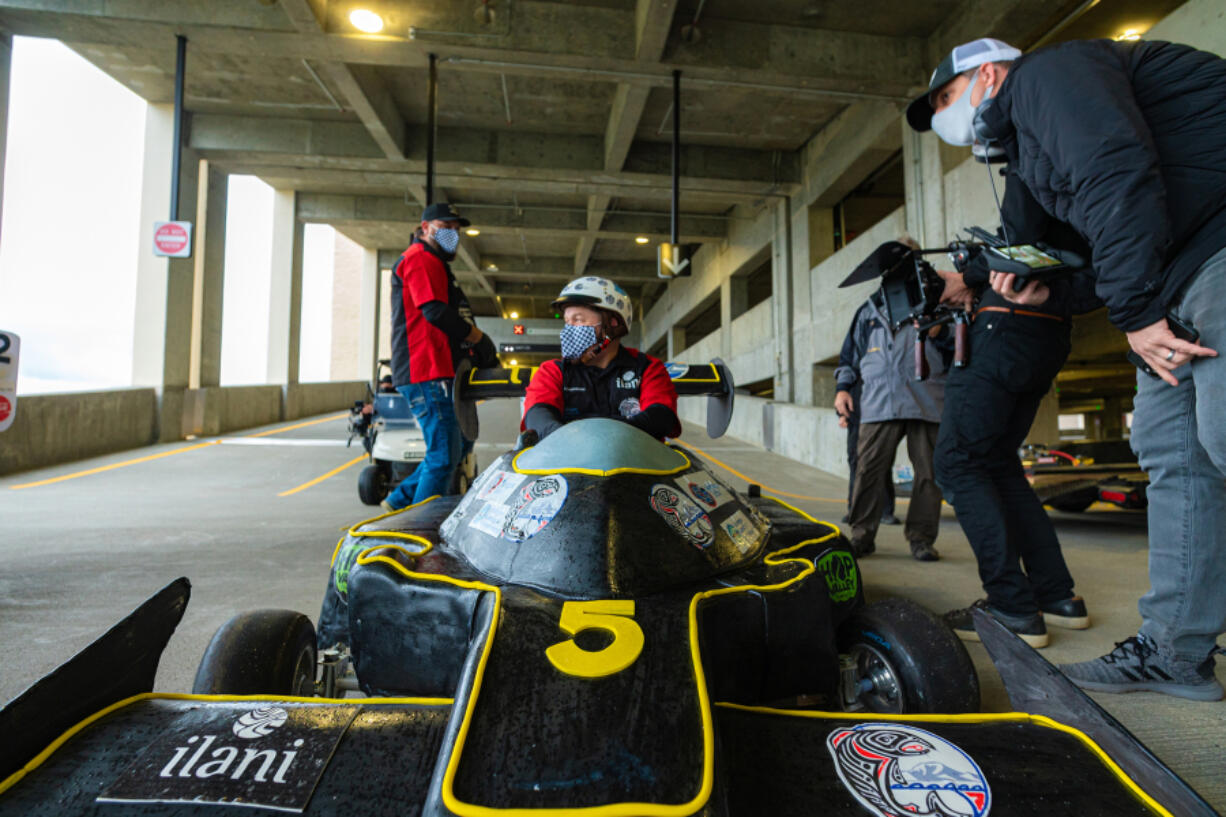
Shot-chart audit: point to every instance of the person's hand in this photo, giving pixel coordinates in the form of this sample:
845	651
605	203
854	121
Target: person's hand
485	356
1035	293
844	406
956	292
1164	352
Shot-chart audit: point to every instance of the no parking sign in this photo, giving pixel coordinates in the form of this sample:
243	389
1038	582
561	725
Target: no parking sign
10	345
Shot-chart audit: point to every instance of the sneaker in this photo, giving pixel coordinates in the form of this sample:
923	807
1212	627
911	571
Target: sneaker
1070	613
1136	666
889	519
924	552
1029	628
387	507
862	548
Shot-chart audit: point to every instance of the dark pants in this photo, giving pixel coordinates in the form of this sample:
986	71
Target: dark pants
853	457
878	443
989	407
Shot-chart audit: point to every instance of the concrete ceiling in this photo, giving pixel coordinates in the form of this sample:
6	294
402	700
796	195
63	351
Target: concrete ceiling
554	116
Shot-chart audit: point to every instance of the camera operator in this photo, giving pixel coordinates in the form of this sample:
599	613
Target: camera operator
849	418
1124	141
893	405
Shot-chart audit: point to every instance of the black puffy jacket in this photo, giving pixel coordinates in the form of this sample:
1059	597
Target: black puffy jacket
1127	143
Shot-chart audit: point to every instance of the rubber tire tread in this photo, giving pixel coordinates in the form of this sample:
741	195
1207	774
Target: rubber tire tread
372	485
257	653
933	666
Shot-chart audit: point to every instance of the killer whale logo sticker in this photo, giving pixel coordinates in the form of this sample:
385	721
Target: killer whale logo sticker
259	723
896	770
533	507
681	514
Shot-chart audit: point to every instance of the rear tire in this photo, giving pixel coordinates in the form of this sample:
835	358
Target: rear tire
1070	506
913	661
372	485
261	652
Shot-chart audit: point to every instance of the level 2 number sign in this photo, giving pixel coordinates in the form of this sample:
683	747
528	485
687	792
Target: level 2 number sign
10	346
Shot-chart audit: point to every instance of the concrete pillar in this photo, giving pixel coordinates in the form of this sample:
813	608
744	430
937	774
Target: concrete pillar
209	277
6	63
676	342
1045	430
924	176
161	355
1112	419
368	314
733	297
285	295
821	234
782	291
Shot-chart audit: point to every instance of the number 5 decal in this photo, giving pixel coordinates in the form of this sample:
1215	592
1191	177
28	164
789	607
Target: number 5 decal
616	616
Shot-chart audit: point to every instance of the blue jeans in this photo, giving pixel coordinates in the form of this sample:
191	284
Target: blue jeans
431	404
1179	436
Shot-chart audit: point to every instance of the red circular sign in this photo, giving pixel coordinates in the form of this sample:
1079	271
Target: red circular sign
170	238
6	408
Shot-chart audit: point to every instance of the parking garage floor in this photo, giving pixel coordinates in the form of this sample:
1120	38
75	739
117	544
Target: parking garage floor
253	518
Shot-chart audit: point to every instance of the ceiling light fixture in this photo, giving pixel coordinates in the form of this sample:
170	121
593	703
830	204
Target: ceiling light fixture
366	20
1128	35
514	316
492	267
514	362
642	239
472	231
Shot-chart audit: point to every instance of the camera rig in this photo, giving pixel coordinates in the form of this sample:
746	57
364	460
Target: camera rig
910	293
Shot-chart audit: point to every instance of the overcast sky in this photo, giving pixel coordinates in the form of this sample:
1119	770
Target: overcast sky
69	237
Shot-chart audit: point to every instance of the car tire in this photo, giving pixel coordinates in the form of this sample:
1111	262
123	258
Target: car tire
914	661
1070	505
372	485
264	652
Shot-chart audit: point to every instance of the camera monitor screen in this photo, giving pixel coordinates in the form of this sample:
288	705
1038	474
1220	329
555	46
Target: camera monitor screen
1027	254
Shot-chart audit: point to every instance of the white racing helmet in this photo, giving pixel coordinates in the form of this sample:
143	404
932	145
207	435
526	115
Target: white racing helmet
598	293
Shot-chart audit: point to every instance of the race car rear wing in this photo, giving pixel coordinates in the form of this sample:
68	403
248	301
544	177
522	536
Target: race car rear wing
690	379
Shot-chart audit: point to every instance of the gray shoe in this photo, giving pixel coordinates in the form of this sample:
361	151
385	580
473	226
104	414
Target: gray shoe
889	519
1136	666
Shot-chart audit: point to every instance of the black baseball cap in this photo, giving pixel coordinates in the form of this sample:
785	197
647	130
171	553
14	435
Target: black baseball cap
963	58
444	212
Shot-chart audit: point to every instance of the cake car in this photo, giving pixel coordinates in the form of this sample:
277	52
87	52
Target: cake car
600	626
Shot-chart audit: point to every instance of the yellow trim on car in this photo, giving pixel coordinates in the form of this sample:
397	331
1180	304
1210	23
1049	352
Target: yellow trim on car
64	737
595	472
974	717
513	380
714	379
389	534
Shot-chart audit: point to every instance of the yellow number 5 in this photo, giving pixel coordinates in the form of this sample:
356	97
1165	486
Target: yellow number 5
616	616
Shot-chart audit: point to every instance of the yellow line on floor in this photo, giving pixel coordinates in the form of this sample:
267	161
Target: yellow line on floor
318	480
112	467
766	487
299	425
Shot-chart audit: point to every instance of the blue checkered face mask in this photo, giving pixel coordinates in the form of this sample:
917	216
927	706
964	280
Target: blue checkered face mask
576	340
448	239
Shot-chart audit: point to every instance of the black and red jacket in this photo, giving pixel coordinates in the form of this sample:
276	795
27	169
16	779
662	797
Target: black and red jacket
430	317
634	387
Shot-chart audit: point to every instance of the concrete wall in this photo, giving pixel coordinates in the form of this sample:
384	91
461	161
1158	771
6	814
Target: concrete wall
54	428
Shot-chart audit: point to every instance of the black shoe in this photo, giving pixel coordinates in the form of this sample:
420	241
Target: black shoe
846	518
1028	627
922	552
889	519
862	548
1070	613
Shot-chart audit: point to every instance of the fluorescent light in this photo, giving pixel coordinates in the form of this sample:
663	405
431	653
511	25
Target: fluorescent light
366	20
472	231
641	239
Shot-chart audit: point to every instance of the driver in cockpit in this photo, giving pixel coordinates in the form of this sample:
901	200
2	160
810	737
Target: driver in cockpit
597	376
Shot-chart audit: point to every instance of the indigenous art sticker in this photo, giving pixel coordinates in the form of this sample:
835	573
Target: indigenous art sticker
682	515
893	769
533	507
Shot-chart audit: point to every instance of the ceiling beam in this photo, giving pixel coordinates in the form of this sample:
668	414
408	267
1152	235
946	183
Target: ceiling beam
546	292
562	40
556	268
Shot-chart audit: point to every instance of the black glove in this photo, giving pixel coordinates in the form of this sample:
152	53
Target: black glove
485	356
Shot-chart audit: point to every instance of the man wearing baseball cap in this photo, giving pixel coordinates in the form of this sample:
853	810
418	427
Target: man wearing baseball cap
432	328
1125	142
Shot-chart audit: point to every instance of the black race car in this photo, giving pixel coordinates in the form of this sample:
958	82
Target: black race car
600	626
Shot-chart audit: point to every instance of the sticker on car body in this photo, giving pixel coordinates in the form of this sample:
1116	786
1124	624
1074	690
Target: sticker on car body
534	506
703	489
894	768
269	756
742	532
681	514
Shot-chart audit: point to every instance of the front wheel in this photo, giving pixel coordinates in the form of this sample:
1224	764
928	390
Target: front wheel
261	652
372	485
907	660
